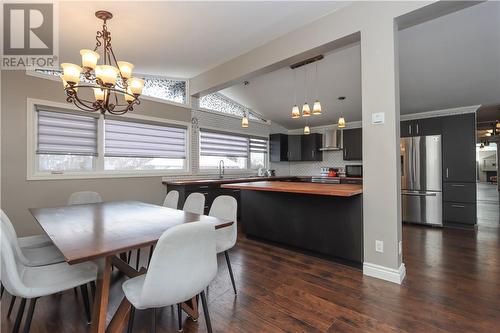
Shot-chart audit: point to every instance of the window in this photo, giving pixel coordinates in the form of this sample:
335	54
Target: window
133	145
80	144
237	151
171	90
65	142
221	103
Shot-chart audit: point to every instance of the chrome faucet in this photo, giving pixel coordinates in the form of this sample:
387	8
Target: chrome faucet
221	169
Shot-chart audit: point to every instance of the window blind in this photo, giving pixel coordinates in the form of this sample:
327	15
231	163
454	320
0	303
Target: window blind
258	145
128	138
61	133
219	144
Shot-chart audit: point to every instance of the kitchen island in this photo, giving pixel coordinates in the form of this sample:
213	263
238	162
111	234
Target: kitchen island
322	219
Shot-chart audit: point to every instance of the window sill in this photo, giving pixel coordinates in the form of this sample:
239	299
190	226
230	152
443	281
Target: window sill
101	175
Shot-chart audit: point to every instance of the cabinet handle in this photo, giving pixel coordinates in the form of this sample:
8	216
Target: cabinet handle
457	185
345	152
409	129
458	206
447	173
417	128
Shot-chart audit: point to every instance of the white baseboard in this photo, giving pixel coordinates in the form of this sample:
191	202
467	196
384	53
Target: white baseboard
385	273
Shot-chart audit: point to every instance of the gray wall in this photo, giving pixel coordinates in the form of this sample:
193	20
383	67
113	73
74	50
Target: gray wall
18	194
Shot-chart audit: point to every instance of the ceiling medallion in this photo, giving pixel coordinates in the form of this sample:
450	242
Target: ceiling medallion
111	83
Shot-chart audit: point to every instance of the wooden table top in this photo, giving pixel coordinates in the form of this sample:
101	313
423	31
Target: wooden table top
336	190
87	232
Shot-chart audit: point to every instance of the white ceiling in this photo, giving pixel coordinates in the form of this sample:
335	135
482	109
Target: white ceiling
183	39
448	62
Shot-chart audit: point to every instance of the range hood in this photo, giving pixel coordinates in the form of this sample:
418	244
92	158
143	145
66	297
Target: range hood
332	140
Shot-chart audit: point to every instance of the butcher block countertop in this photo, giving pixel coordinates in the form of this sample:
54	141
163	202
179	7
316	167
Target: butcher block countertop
336	190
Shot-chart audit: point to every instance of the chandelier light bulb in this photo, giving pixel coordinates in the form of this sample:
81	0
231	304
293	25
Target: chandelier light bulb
125	69
498	125
66	85
89	58
306	110
135	85
129	96
317	108
307	130
295	112
99	94
341	123
71	73
107	74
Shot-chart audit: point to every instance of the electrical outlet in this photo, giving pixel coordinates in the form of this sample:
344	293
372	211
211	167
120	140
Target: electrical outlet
400	247
379	246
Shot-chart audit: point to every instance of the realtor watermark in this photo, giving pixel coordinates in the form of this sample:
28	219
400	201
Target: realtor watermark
29	35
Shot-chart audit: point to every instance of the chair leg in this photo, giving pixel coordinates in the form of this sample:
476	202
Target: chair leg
129	256
31	310
19	316
137	259
151	249
86	304
131	320
2	288
230	271
92	288
205	312
11	305
179	316
76	291
153	320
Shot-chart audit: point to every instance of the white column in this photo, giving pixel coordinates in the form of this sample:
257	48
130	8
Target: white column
381	154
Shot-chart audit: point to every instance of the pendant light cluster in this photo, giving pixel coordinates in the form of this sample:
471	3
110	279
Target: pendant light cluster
306	109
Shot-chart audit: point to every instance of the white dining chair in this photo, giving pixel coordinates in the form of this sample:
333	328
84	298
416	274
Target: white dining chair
183	264
84	197
195	203
171	199
226	207
30	255
28	241
35	282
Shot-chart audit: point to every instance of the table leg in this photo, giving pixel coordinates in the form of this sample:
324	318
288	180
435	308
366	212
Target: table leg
191	308
100	307
120	318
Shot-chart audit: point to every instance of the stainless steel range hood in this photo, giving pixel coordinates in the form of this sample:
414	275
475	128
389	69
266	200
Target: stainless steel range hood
332	140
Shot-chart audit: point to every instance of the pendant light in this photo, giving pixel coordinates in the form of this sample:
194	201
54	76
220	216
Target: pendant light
295	108
307	130
244	120
306	110
341	123
317	104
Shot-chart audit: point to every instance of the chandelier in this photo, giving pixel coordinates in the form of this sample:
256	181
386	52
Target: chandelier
111	84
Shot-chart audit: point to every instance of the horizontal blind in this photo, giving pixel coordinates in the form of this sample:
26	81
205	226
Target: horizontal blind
218	144
258	145
139	139
61	133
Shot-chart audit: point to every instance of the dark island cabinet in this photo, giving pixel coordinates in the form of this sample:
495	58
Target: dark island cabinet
353	144
420	127
297	148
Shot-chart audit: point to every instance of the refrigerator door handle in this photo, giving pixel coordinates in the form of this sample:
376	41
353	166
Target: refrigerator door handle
419	194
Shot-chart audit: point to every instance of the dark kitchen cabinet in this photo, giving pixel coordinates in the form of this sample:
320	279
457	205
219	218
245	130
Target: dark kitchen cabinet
310	145
353	144
420	127
459	148
295	148
278	146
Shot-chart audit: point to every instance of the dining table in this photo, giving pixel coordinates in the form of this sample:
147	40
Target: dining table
104	233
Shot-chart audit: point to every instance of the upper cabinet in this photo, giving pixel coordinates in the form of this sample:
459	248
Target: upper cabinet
295	147
418	127
353	144
310	145
459	148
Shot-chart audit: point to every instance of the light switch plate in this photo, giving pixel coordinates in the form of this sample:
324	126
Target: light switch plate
378	118
379	246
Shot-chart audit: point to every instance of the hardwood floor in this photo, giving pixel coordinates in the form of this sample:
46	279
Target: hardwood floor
452	285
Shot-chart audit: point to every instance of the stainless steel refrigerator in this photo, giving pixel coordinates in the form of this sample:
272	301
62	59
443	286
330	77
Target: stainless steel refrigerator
421	176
